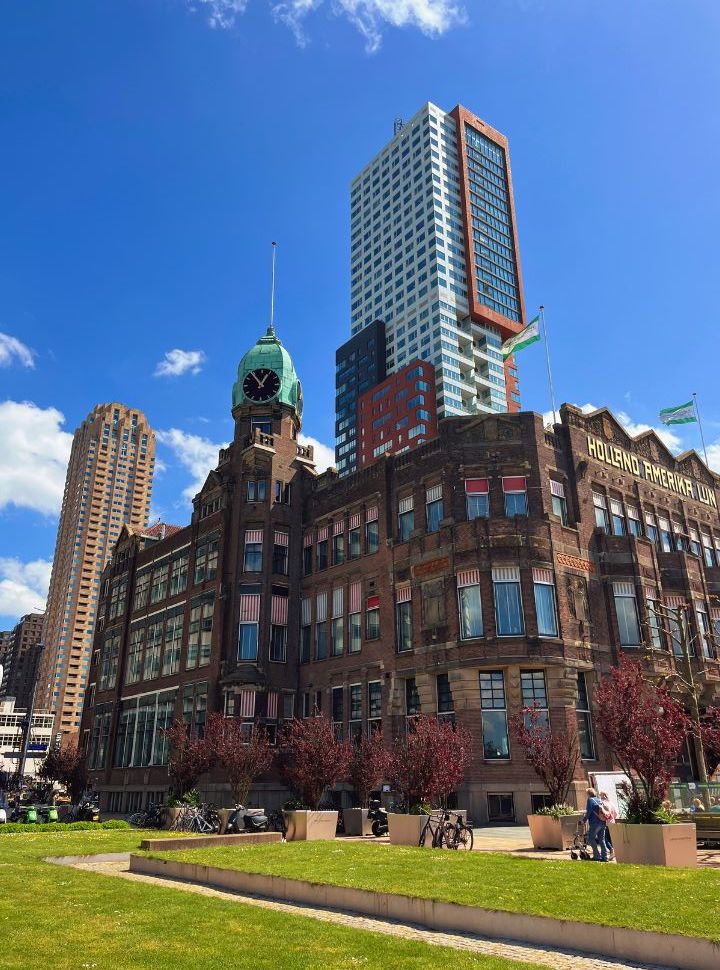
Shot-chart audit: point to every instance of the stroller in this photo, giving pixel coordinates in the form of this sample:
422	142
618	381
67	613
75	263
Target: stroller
580	847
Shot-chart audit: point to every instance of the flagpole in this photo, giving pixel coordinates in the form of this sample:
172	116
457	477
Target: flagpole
702	436
547	359
272	290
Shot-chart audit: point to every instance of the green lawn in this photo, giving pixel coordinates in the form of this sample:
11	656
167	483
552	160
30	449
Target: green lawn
685	901
66	919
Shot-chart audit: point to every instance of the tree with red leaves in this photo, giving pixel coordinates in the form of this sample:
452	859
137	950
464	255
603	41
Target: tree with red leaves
66	765
646	729
369	764
553	756
189	758
312	758
710	734
430	761
242	755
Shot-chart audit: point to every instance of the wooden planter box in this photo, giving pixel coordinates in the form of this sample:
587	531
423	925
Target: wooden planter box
553	833
304	825
357	822
655	845
405	829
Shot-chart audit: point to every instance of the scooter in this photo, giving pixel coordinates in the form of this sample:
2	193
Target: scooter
87	810
247	820
47	813
379	817
25	814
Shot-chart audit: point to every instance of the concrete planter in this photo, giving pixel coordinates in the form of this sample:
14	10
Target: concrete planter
357	822
656	845
553	833
171	814
303	825
405	829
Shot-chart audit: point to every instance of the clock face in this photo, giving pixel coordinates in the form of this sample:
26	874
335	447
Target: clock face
261	384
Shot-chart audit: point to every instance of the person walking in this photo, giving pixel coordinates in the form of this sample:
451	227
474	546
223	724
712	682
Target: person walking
609	813
597	828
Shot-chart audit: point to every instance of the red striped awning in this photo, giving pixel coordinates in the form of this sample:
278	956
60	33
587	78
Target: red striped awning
247	703
372	603
322	534
272	705
403	594
249	608
307	539
279	610
355	596
338	528
254	535
371	514
282	538
544	576
557	488
468	577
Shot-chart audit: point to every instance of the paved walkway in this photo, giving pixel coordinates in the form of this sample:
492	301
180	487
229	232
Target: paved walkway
556	959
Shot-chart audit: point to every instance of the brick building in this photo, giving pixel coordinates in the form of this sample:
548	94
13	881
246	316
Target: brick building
497	566
397	414
21	659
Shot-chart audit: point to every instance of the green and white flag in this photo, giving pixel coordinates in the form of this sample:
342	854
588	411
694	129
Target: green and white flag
529	335
682	414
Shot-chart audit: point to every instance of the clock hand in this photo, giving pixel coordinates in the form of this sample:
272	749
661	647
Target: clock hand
257	379
262	382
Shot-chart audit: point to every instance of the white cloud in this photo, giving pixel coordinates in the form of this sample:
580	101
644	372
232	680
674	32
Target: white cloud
177	362
431	17
23	586
199	455
35	453
12	349
324	455
633	428
713	453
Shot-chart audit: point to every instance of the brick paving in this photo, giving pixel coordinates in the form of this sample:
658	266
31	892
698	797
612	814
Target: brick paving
556	959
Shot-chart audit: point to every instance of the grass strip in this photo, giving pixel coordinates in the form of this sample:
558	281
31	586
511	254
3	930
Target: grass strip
68	919
681	901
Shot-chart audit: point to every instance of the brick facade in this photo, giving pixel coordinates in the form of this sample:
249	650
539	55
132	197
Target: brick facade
346	534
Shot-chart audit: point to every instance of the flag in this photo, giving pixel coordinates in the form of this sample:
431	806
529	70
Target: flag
529	335
682	414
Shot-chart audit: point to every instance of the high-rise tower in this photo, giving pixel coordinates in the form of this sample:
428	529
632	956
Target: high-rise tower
434	254
108	483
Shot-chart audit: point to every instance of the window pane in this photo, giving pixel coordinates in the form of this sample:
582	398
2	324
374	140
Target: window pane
434	515
478	506
545	609
404	625
508	609
515	503
471	624
628	621
248	641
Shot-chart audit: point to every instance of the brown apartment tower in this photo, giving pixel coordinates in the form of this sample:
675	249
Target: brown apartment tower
434	254
108	483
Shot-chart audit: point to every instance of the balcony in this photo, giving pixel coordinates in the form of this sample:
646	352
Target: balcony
259	439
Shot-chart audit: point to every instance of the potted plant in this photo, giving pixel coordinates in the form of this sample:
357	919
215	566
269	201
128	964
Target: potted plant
369	764
553	756
242	756
189	758
312	760
646	729
425	766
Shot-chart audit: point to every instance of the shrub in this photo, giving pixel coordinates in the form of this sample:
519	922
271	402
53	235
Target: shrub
556	811
65	764
11	828
553	757
369	764
429	762
242	756
312	758
189	758
646	729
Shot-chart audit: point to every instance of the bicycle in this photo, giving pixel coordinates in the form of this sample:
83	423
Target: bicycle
276	822
457	834
434	827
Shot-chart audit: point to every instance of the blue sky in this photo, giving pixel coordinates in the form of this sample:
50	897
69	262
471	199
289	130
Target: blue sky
152	149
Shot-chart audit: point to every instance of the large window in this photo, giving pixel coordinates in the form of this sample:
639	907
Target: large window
200	632
655	624
109	660
153	650
249	622
534	693
704	631
602	519
434	507
584	719
355	713
278	625
159	585
559	502
372	531
116	605
618	518
305	629
338	716
354	540
355	618
321	626
142	589
194	709
372	618
695	543
338	543
666	541
403	613
322	548
173	643
509	620
307	554
252	560
651	530
515	492
412	698
496	744
374	706
133	668
545	602
633	521
179	577
280	553
338	622
445	706
627	614
256	490
708	553
206	558
406	518
477	498
469	604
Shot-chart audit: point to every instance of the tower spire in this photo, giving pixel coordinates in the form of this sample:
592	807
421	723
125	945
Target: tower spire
271	328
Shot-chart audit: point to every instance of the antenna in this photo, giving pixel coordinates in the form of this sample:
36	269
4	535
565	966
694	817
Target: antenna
271	328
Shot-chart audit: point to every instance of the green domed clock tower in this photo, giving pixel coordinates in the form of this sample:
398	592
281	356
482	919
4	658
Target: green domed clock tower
266	376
